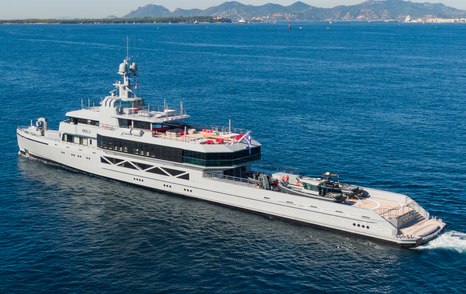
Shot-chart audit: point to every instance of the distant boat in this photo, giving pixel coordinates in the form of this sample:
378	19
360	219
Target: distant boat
241	20
290	26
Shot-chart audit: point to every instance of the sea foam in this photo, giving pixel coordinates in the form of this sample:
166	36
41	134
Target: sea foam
451	240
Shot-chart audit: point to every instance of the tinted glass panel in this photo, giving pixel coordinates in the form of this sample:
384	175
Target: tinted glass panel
128	165
142	165
184	177
173	172
157	171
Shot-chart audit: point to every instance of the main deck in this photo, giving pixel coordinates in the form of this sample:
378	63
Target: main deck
386	204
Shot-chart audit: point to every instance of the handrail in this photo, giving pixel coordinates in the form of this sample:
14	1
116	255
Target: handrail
187	138
268	168
54	139
398	212
224	129
242	181
391	212
414	205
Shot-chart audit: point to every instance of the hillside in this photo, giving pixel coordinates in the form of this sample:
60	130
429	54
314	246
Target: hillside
371	10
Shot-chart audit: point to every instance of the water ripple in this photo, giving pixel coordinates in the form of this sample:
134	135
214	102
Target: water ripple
382	105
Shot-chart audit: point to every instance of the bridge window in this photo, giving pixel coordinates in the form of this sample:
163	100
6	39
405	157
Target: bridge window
75	120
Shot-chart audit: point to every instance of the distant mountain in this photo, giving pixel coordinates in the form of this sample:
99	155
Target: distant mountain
393	10
150	10
371	10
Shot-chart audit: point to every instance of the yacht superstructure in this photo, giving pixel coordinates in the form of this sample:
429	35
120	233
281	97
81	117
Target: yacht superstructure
126	140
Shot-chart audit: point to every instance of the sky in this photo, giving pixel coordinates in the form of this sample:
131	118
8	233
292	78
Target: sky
20	9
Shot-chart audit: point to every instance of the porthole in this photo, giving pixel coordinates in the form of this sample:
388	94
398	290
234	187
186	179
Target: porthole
367	227
354	224
359	225
363	226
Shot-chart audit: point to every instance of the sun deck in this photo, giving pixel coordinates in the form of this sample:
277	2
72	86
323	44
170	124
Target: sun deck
204	136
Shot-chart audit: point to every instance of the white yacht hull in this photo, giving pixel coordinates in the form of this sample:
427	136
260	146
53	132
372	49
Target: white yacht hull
311	211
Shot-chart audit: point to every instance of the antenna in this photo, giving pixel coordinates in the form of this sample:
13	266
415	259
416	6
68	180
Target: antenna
181	112
127	48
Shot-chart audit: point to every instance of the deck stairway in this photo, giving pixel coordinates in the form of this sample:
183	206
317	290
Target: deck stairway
413	218
422	228
413	221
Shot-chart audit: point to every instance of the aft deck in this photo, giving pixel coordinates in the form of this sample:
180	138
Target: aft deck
383	207
397	208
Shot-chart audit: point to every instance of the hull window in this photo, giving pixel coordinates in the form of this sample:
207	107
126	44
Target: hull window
173	172
184	177
127	164
142	165
157	171
111	159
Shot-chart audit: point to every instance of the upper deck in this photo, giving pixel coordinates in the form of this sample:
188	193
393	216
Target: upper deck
123	114
138	114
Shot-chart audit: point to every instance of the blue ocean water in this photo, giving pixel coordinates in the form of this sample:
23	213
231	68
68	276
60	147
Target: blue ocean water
384	105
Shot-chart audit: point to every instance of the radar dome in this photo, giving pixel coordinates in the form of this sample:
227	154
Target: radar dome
122	68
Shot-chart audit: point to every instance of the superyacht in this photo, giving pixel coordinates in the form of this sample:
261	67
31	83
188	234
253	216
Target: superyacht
126	140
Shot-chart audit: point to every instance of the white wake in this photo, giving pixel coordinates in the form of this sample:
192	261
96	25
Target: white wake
450	240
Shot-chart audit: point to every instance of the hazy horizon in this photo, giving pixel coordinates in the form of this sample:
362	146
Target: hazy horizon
23	9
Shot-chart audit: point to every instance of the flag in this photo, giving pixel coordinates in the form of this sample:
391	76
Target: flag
248	139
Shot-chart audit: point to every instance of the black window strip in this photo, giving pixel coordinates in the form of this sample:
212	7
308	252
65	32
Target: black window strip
184	177
178	155
157	171
173	172
142	165
102	160
128	165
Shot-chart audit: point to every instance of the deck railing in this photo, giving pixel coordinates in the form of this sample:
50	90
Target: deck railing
271	169
413	204
24	129
188	138
223	129
399	216
394	212
226	178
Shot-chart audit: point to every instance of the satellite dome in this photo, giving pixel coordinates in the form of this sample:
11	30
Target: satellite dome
122	69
